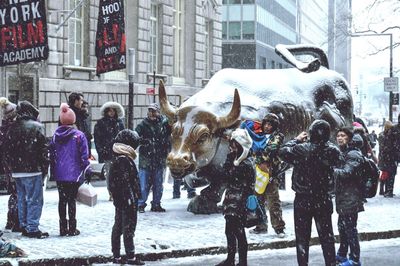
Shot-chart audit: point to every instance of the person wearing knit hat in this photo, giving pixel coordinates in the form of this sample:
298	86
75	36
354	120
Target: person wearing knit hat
25	151
240	175
69	166
67	116
267	181
8	110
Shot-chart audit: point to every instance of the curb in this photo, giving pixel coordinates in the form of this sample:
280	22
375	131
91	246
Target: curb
188	252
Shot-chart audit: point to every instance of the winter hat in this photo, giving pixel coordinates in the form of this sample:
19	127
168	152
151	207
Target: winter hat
320	131
25	108
8	109
271	118
154	106
243	138
128	137
67	116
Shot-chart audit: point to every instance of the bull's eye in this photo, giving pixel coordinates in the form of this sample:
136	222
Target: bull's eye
203	138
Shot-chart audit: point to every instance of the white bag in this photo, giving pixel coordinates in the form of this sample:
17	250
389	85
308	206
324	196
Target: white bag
87	195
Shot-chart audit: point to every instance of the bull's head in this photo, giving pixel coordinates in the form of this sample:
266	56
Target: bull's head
194	134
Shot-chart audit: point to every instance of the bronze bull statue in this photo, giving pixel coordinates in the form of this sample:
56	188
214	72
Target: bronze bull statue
297	95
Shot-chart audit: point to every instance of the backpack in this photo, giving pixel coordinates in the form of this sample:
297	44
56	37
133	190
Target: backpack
370	177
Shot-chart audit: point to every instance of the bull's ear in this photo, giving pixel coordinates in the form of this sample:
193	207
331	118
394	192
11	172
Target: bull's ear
166	108
234	114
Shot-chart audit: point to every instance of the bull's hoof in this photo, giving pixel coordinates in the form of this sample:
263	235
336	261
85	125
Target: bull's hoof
202	205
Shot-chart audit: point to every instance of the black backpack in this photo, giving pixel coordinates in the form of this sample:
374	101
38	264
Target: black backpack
370	177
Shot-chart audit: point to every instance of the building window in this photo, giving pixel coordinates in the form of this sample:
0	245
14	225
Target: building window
208	48
153	39
234	30
224	31
273	64
178	38
248	30
75	35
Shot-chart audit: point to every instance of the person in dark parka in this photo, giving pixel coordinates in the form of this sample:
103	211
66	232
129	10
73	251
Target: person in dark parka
349	195
387	160
240	174
107	128
312	180
25	142
125	188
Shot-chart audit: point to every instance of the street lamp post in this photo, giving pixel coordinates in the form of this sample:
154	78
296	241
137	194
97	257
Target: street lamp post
131	75
390	63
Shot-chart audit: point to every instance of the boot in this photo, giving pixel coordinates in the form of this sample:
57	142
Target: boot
72	228
63	227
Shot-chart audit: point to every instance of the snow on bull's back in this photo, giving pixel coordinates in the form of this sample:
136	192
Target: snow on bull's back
259	87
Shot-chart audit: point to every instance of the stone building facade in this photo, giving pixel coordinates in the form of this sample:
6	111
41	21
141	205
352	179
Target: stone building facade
175	40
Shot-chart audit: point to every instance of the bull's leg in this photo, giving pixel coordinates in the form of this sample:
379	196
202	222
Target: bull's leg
206	202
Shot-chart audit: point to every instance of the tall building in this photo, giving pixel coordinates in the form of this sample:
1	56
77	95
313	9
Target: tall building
175	40
252	28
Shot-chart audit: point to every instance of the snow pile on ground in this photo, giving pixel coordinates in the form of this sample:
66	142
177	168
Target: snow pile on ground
174	230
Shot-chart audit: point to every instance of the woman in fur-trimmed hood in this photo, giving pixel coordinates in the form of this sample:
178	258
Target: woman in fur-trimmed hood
107	128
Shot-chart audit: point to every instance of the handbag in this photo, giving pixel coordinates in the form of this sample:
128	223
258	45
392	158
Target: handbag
254	213
262	179
87	195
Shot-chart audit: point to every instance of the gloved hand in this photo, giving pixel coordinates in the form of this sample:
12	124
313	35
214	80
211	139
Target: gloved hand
88	177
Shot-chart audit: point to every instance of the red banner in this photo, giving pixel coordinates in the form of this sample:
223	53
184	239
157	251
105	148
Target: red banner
23	31
110	37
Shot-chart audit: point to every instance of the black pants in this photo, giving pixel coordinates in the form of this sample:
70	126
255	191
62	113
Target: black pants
67	196
234	231
12	215
124	224
347	226
305	209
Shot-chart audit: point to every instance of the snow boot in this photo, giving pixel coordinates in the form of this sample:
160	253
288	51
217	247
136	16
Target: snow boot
63	227
72	228
350	263
340	259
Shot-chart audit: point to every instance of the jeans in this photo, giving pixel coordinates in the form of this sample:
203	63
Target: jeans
150	178
124	224
347	226
177	188
30	202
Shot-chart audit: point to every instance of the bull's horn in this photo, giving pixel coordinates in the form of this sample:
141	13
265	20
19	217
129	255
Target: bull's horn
234	114
166	108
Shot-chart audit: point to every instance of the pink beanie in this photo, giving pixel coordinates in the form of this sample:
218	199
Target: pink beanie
67	116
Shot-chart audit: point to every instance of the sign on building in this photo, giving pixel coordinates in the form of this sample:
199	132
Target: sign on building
23	32
391	84
110	37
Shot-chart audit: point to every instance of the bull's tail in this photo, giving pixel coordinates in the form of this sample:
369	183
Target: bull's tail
288	53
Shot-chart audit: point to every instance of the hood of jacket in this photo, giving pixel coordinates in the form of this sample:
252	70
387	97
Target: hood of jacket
114	105
357	141
320	131
63	134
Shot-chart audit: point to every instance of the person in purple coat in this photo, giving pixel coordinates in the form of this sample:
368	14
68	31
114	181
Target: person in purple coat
69	166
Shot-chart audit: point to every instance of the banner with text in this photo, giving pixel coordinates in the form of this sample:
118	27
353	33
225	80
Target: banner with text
23	31
110	37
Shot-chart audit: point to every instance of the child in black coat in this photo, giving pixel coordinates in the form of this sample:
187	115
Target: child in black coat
124	186
240	172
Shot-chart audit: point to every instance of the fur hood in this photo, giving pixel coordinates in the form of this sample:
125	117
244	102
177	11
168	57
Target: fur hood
120	110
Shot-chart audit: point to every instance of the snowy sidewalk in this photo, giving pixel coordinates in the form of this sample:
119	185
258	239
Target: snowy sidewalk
173	231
